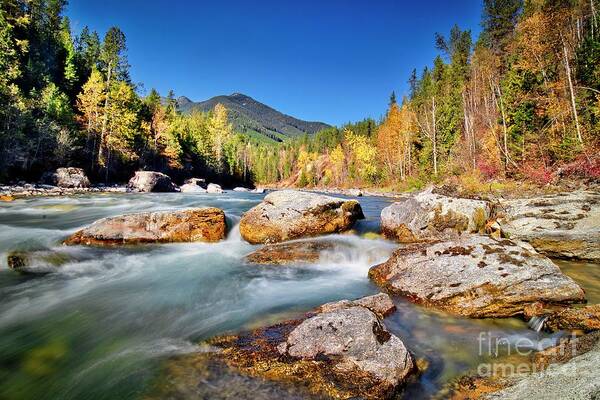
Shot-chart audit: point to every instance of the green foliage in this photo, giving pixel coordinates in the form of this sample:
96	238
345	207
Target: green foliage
56	105
498	22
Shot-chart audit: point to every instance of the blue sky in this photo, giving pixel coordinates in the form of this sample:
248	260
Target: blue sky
331	61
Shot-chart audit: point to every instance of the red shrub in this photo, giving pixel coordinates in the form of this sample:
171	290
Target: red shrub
488	169
538	173
583	167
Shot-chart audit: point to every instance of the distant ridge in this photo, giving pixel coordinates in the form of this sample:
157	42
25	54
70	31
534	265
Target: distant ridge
253	117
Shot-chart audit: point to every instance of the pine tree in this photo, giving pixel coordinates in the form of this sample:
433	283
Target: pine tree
392	98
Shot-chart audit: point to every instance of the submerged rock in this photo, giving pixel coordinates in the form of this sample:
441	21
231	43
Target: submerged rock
344	352
67	178
429	216
304	251
565	225
475	276
289	214
195	225
151	181
240	189
214	188
37	262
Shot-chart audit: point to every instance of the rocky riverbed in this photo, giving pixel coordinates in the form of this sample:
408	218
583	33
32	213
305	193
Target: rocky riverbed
191	297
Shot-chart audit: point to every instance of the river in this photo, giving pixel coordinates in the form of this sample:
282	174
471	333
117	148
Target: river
103	326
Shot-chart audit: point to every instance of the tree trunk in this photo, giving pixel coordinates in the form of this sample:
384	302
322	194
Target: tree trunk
504	129
594	18
434	137
105	119
572	93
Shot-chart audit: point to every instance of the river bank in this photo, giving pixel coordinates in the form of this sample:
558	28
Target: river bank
37	189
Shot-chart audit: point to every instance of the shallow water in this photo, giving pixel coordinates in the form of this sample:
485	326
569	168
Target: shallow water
102	327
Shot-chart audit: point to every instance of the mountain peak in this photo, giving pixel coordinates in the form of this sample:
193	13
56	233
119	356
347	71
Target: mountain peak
255	118
183	100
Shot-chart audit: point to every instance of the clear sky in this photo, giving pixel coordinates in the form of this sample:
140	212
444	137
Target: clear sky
331	60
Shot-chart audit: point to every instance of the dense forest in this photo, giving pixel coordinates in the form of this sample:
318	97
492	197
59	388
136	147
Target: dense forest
521	101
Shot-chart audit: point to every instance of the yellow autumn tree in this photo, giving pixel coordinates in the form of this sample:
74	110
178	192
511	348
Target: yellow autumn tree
220	131
395	139
122	124
305	164
338	163
364	157
90	102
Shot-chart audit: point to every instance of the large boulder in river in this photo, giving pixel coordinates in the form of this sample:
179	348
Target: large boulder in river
341	353
193	185
475	276
67	178
290	214
194	225
565	225
196	181
214	188
191	188
151	181
429	216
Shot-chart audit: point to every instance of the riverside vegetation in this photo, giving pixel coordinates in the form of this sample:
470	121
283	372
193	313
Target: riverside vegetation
520	102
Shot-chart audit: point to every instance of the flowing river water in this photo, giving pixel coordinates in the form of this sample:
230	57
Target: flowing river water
103	325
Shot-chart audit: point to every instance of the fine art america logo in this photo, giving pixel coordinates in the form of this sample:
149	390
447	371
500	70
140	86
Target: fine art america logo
509	356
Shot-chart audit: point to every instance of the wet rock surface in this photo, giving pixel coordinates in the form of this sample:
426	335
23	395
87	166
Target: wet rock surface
194	225
67	178
564	225
565	350
344	352
475	276
303	251
585	318
289	214
37	262
151	181
381	304
428	216
575	379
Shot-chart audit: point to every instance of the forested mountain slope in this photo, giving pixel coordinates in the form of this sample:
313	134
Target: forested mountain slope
250	116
